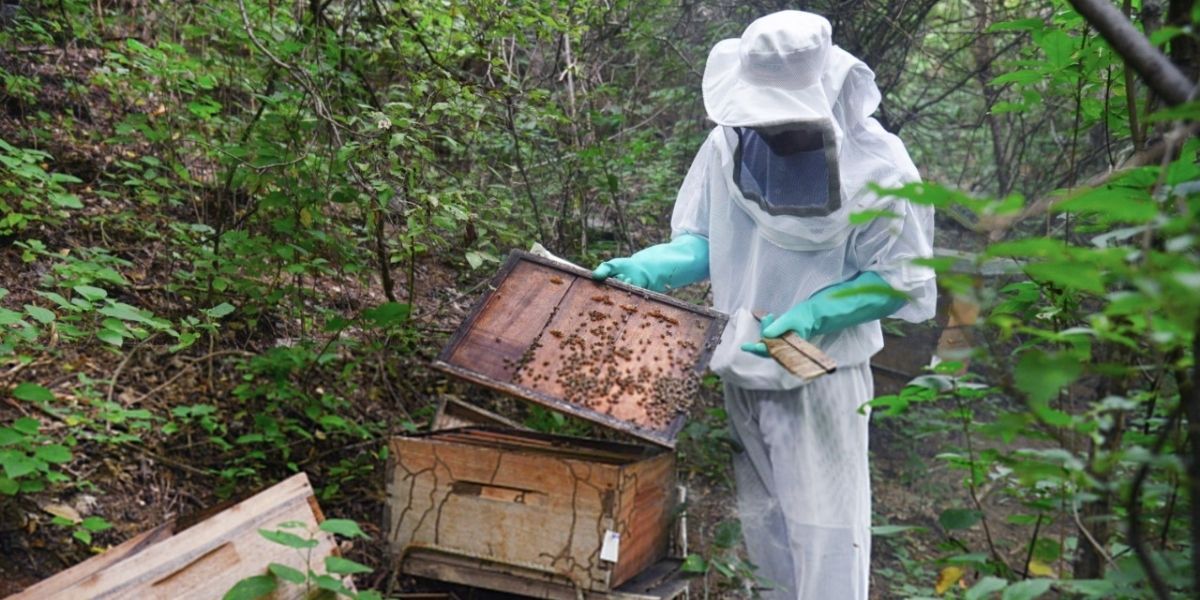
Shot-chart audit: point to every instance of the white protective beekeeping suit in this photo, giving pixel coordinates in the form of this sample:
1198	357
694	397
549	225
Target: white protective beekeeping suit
803	482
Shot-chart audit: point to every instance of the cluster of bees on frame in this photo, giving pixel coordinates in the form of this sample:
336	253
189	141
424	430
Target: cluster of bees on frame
610	357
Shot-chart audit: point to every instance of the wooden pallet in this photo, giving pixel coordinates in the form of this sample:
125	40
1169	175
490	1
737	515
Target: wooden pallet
202	561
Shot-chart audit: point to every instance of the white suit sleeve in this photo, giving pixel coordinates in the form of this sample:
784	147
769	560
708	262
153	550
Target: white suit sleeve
692	204
888	245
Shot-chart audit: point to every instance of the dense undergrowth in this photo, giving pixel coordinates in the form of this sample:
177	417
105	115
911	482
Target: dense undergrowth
232	233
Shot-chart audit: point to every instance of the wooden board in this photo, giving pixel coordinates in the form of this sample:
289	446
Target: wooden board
202	561
538	503
611	353
662	581
453	413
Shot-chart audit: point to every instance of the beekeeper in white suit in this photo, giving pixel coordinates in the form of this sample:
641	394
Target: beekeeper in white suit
765	213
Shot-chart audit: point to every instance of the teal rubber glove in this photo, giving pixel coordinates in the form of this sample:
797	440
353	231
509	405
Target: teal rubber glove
682	261
828	310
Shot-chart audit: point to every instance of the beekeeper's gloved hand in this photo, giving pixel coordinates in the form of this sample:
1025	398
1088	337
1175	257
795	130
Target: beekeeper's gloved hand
682	261
832	309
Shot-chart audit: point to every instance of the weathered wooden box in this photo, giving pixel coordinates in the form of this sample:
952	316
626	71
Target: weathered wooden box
576	512
626	358
176	561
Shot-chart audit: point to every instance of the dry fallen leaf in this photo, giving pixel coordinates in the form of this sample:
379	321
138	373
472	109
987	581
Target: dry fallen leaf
947	578
64	511
1041	569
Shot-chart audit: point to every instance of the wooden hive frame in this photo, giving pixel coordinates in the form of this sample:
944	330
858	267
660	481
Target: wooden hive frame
516	340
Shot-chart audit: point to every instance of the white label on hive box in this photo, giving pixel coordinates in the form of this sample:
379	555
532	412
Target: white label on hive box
611	546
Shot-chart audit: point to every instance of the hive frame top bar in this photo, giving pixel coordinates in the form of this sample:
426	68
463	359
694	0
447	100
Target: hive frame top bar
664	436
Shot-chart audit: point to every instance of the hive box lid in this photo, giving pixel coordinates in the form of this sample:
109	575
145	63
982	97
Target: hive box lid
617	355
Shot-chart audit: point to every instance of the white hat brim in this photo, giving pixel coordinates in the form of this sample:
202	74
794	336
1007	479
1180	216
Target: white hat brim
733	100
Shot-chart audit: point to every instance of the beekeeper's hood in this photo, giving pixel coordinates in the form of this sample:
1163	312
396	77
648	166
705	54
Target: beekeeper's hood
784	71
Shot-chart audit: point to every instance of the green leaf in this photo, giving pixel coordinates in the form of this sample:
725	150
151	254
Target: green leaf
985	587
91	293
959	518
694	563
286	573
344	566
1068	275
64	200
970	558
9	317
219	310
82	535
54	453
1189	111
1026	590
331	583
27	425
1113	204
890	530
1058	47
9	436
727	534
9	487
59	300
1001	108
125	312
41	315
1165	34
204	108
290	540
1023	76
474	259
1089	588
17	464
343	527
111	337
1047	550
1017	25
1030	247
388	314
32	392
1041	375
252	588
866	216
95	524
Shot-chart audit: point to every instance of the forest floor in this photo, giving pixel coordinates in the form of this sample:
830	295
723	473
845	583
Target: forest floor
149	477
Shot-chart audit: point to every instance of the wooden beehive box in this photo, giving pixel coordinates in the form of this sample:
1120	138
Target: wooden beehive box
582	513
614	354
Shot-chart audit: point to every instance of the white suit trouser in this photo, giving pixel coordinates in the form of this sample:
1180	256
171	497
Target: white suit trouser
803	486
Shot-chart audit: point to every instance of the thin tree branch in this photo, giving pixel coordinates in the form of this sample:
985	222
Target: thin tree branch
1155	68
1134	517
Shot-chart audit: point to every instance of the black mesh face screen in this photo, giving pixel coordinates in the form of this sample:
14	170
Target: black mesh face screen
791	172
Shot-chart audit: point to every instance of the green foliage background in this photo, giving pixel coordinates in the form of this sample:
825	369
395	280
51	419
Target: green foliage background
283	207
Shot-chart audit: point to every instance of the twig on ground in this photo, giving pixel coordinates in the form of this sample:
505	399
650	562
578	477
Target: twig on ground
1092	539
112	382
